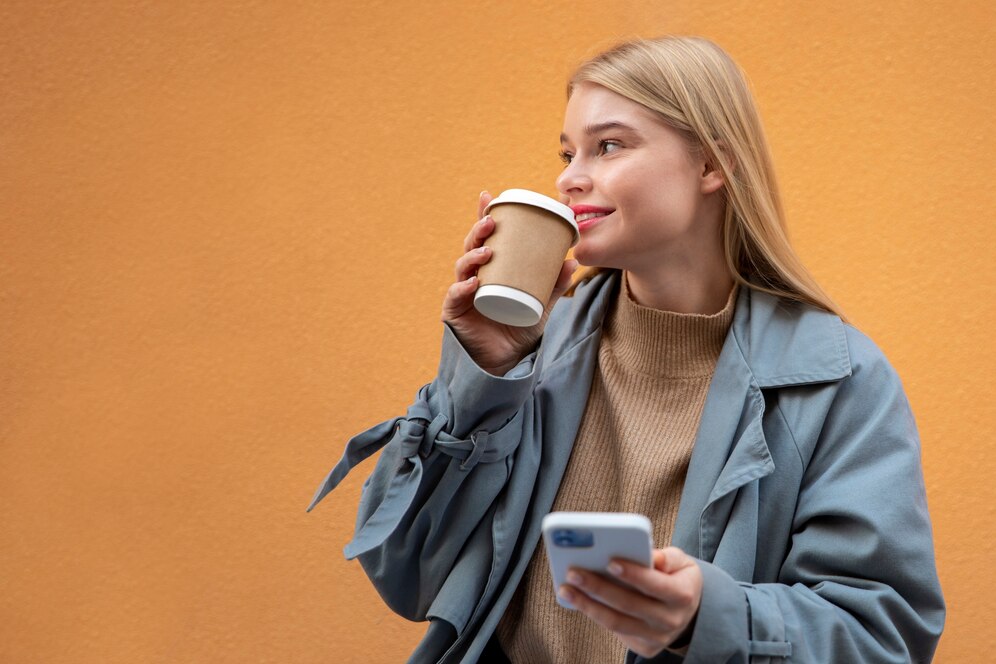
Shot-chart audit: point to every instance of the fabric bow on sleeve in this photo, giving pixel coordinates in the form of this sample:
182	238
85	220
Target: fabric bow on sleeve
418	434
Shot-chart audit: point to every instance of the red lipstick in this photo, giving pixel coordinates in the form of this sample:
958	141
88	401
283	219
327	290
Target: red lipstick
587	216
585	209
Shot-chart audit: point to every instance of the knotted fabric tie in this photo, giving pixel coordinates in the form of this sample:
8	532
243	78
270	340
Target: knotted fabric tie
418	434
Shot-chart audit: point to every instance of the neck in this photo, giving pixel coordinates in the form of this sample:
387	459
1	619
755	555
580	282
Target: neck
689	275
687	287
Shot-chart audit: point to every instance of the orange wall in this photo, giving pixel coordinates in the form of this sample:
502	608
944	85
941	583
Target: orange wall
226	230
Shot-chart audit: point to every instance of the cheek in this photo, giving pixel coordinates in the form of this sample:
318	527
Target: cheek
632	195
644	186
676	194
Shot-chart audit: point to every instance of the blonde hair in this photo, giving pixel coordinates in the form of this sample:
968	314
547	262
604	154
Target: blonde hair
698	90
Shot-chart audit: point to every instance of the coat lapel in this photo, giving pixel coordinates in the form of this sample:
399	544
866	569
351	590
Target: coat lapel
772	343
730	451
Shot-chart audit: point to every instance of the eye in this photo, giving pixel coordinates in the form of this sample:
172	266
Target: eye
606	146
565	157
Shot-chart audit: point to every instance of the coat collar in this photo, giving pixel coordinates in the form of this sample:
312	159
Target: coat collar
783	343
772	343
789	343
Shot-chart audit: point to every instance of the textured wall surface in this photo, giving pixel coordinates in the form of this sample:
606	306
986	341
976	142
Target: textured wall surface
226	229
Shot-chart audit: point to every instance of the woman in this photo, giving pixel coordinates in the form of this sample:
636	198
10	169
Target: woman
696	374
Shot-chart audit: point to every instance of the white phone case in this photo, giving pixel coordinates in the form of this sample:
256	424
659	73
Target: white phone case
590	540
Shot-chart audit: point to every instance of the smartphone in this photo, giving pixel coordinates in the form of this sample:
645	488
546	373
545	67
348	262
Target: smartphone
590	540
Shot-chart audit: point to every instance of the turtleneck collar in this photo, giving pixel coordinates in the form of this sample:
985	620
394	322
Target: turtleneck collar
665	343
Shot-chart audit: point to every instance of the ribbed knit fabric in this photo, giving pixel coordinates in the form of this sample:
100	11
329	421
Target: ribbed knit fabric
631	455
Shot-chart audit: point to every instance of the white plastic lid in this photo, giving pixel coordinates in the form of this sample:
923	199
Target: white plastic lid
538	200
508	306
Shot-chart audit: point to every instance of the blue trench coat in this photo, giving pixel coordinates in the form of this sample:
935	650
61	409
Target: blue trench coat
804	501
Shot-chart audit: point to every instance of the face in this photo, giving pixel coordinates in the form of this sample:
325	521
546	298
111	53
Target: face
638	191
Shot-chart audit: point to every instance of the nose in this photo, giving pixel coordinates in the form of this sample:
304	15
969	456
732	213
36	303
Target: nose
574	180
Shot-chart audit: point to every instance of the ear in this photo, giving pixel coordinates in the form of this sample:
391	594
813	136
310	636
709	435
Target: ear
712	176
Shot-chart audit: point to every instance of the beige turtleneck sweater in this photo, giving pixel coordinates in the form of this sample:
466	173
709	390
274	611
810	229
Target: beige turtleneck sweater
630	455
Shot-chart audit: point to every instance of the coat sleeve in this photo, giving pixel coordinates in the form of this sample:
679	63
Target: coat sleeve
859	582
441	469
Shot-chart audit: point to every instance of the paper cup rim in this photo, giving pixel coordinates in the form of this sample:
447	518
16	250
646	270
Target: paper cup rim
527	197
508	305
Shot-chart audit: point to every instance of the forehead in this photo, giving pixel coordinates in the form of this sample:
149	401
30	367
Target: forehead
591	104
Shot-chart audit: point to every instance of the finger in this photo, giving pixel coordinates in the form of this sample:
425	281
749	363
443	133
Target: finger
648	648
482	202
675	588
459	298
615	621
625	600
468	264
479	232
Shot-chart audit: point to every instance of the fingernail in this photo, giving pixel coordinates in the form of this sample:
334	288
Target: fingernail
481	195
574	579
471	280
482	250
615	569
565	593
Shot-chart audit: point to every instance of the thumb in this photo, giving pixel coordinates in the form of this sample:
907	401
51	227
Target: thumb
564	279
671	559
482	202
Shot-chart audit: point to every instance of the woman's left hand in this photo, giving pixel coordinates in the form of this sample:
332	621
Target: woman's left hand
656	606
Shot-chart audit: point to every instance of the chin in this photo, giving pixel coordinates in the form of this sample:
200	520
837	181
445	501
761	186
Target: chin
585	254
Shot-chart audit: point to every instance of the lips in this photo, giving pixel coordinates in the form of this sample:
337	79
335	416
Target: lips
587	216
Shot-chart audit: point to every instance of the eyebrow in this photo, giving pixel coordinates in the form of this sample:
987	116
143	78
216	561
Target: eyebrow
593	129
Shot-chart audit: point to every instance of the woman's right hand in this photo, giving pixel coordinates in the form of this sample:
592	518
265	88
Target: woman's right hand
495	347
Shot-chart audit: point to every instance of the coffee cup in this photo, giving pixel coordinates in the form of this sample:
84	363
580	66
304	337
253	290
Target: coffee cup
532	235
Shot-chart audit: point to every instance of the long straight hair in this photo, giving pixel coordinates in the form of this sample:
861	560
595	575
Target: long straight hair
698	90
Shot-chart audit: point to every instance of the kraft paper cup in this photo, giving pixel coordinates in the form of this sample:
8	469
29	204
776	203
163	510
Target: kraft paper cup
532	235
